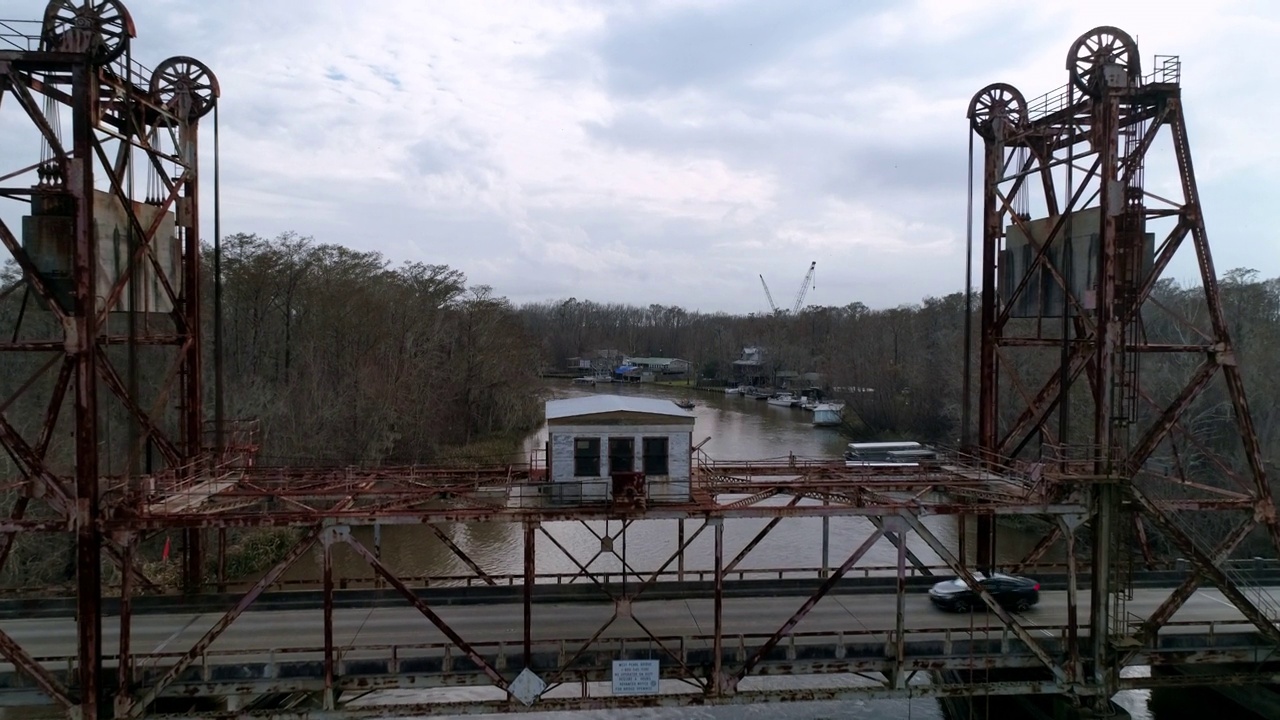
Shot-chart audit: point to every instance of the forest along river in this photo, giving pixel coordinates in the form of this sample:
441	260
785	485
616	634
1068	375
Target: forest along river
738	428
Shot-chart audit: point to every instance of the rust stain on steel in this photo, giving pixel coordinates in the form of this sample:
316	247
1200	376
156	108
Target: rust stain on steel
28	666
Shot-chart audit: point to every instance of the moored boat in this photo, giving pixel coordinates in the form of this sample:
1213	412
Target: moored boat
827	415
784	399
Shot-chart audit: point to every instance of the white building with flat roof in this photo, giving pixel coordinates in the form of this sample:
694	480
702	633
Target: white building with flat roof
599	443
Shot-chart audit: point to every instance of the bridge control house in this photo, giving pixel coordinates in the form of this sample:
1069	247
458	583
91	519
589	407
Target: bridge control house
626	451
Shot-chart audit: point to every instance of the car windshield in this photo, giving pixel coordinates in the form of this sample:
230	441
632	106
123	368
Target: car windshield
960	583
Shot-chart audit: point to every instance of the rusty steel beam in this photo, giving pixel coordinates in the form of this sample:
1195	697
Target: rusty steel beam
20	92
326	541
582	569
1162	614
83	351
1207	568
54	409
6	544
804	609
1172	414
31	465
124	663
421	606
1040	549
901	544
530	573
254	516
139	707
759	536
1209	279
719	685
26	385
152	431
1002	319
678	553
31	274
453	548
28	666
689	675
959	569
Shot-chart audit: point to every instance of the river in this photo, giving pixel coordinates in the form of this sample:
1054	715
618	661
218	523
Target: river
733	428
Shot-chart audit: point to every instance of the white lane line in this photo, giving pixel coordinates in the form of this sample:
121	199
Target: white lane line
1219	600
1031	622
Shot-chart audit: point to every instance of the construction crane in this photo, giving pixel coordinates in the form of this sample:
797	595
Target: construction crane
800	294
804	287
769	295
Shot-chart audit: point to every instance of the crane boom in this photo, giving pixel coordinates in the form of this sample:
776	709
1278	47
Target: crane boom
768	294
804	287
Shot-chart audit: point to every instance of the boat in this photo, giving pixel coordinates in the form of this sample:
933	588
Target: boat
735	390
686	404
596	379
827	415
785	399
888	454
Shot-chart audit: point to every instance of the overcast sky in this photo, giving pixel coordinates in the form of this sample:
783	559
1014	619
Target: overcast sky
671	151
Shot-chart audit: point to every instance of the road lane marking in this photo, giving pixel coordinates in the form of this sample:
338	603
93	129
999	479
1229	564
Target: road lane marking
1033	623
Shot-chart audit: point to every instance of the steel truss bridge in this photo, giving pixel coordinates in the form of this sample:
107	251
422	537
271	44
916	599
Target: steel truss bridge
1082	420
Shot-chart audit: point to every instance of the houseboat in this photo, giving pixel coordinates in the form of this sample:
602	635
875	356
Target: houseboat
887	454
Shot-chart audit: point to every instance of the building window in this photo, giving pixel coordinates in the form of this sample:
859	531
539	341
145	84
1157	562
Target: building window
656	458
586	457
622	455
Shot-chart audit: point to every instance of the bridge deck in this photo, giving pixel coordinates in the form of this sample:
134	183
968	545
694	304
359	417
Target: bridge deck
391	647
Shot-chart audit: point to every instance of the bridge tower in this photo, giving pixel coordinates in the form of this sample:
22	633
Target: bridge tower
1095	370
100	317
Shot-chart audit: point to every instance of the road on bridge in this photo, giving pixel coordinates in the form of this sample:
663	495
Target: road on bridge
257	631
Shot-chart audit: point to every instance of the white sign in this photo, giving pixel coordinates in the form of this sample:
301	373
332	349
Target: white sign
527	686
635	677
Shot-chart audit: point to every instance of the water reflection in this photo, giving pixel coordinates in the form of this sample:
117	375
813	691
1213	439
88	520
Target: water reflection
729	428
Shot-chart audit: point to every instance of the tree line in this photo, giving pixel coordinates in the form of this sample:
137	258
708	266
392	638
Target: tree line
347	358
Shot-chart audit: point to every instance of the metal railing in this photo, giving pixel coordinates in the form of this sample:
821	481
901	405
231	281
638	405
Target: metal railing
980	642
20	35
1168	71
1047	572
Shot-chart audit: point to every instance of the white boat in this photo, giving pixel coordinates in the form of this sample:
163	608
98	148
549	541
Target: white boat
735	390
596	379
785	399
827	415
888	454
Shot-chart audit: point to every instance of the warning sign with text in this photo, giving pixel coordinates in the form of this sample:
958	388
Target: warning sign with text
635	677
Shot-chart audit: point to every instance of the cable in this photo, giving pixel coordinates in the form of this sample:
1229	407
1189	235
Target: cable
218	409
966	412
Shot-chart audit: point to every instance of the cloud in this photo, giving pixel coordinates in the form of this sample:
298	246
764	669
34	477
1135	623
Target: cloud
672	151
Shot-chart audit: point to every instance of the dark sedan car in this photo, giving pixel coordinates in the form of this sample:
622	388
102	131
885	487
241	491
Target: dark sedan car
1011	591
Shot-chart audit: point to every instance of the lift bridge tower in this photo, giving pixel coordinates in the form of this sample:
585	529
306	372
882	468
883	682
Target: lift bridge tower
1123	388
100	163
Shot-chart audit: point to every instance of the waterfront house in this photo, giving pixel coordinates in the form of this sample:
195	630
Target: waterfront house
601	446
